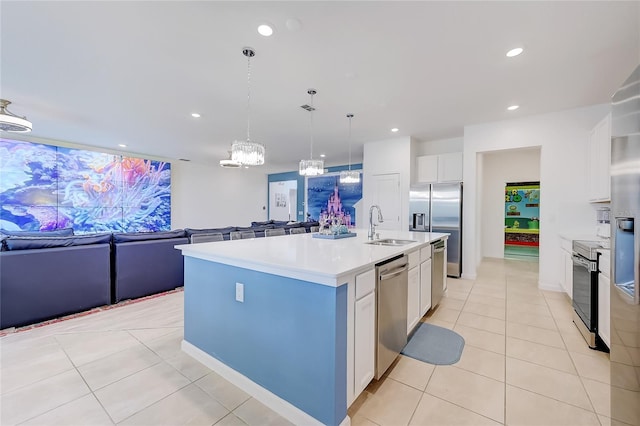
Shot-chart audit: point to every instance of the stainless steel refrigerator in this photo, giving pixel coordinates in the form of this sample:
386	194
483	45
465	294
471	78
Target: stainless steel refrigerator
625	251
437	207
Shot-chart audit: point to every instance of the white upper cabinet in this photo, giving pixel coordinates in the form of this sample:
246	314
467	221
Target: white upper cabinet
599	161
440	168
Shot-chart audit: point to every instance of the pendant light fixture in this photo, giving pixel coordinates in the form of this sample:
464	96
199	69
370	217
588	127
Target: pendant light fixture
311	167
9	122
228	163
349	176
248	153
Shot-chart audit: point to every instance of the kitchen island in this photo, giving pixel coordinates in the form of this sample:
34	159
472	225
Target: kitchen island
275	316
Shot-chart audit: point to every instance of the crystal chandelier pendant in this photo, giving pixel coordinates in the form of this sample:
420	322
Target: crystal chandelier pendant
349	176
311	167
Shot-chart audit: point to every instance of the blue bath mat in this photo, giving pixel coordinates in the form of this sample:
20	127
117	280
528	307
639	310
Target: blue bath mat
435	345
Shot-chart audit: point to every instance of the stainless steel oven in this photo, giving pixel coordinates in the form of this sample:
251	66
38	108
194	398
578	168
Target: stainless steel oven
585	291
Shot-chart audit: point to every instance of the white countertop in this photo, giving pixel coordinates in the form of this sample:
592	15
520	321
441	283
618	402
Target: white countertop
303	257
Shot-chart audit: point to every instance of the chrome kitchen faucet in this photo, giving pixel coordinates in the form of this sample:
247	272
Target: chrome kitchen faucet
372	227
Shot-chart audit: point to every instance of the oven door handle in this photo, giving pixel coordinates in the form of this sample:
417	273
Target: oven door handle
584	262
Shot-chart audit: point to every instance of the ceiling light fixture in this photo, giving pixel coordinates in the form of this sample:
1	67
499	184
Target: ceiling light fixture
248	153
229	163
515	52
195	115
395	130
9	122
513	107
349	176
322	155
121	145
311	167
265	30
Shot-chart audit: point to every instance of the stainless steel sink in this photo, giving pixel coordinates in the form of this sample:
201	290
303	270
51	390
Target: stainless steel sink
389	242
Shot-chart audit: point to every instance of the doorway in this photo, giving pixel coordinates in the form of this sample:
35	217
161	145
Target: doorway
522	220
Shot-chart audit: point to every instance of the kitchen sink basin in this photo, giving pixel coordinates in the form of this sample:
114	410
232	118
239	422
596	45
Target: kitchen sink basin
390	242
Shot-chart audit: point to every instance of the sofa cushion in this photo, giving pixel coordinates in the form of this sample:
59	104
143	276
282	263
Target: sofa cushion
266	222
62	232
28	243
126	237
228	229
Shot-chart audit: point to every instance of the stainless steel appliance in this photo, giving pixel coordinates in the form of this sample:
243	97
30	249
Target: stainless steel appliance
625	250
392	283
441	205
585	291
437	271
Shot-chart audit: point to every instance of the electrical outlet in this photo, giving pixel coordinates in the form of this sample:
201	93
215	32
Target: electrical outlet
240	292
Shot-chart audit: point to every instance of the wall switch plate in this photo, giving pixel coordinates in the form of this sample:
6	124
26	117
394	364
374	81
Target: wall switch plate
240	292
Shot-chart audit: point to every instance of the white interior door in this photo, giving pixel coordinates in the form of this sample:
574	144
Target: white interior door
386	194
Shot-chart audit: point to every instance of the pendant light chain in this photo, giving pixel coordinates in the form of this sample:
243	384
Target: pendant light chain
311	124
350	117
249	97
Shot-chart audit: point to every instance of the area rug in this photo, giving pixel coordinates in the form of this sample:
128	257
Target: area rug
435	345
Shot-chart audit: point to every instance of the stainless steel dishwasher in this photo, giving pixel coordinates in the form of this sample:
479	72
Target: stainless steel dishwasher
391	313
437	271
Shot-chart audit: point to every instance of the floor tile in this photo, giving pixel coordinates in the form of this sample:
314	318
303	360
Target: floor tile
461	285
536	353
110	369
624	406
222	390
546	381
188	406
498	293
457	295
147	334
254	413
445	314
435	321
577	344
392	403
481	339
411	372
434	411
485	363
529	308
530	409
592	367
82	348
40	397
138	391
83	411
535	334
534	320
188	366
469	390
484	310
600	396
481	322
168	345
449	303
487	300
231	420
604	420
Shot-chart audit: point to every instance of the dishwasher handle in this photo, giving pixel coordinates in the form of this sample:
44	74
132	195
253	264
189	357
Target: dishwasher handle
396	271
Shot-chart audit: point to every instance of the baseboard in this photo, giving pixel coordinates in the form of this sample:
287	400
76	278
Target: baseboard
550	287
274	402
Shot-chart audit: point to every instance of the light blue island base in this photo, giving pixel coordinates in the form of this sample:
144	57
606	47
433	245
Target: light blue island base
286	344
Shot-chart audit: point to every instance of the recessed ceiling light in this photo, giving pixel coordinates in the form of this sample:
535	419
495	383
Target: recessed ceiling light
265	30
322	155
395	129
195	115
515	52
121	145
513	107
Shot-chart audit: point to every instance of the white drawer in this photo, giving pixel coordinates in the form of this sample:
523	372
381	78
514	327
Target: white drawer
414	259
365	283
425	253
605	263
567	245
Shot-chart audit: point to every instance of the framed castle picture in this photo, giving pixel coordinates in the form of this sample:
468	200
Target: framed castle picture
327	198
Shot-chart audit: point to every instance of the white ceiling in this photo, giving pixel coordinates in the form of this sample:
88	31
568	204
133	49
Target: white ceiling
104	73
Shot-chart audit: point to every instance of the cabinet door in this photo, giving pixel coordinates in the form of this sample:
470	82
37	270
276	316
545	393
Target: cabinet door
413	299
450	167
364	348
427	168
604	309
425	287
568	273
386	194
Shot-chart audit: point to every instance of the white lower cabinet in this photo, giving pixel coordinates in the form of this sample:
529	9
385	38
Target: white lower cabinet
413	299
425	287
364	331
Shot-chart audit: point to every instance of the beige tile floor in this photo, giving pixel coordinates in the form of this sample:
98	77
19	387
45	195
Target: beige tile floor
524	363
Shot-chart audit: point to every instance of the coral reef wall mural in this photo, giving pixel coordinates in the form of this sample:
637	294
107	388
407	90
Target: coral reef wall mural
44	187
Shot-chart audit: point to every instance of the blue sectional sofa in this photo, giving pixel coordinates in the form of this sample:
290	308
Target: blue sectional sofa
48	277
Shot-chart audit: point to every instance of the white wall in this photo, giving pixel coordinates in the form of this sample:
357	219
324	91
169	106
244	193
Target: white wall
440	146
209	196
386	157
563	138
500	167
